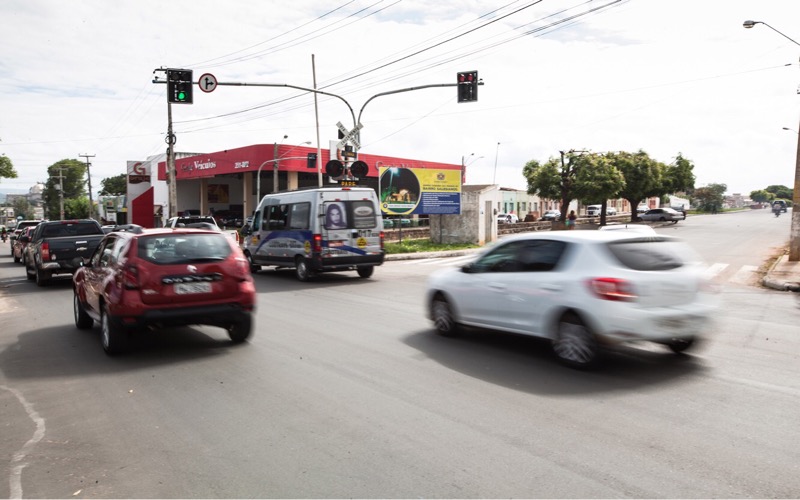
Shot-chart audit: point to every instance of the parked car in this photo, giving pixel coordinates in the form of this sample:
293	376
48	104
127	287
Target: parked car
551	215
594	210
662	214
582	290
388	223
642	208
507	218
143	279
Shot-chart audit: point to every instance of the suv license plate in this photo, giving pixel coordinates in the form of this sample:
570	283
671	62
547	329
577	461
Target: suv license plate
187	288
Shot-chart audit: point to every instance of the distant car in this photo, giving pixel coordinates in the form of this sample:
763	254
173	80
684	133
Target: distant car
108	228
388	223
138	280
594	210
582	290
551	215
780	203
642	209
21	243
662	214
507	218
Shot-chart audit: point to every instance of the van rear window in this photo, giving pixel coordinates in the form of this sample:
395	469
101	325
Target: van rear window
350	214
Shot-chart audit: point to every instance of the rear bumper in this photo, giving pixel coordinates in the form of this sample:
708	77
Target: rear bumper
221	315
346	262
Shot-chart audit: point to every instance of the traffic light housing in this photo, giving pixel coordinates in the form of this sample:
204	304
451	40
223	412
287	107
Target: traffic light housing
467	86
179	86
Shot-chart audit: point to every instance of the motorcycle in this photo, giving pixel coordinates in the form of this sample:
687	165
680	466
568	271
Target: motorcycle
777	212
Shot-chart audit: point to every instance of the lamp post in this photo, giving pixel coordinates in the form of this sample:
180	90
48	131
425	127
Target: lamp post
275	165
496	152
465	164
794	233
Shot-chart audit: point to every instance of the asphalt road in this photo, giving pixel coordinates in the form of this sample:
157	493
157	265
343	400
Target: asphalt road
345	391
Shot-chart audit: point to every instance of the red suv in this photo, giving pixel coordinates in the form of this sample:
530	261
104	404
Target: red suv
141	278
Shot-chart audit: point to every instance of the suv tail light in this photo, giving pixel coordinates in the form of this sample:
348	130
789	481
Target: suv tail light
45	251
615	289
130	277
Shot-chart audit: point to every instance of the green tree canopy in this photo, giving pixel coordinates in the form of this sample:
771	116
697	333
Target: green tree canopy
761	196
7	168
678	176
114	186
709	198
642	177
69	174
76	208
598	182
556	179
780	191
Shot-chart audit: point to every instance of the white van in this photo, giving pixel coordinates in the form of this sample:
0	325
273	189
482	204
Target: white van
317	230
594	210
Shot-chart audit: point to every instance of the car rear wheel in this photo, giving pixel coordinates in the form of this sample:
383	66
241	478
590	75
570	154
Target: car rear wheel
113	337
574	345
240	330
680	345
29	273
301	270
82	320
442	316
365	271
42	277
16	259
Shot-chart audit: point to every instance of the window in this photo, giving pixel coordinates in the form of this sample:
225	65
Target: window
277	216
299	215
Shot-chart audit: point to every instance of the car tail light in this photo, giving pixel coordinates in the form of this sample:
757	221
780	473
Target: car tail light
130	277
615	289
316	246
242	267
45	251
382	235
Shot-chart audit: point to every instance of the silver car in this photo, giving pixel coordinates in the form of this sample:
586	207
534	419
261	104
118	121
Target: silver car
581	290
663	214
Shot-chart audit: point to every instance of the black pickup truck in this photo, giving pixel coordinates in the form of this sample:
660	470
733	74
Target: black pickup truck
59	247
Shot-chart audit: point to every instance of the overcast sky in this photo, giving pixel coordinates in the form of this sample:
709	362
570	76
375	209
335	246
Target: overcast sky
665	76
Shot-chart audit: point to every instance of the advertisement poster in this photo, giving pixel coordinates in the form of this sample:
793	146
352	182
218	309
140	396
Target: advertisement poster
409	191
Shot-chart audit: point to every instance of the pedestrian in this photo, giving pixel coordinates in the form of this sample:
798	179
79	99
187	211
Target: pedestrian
571	218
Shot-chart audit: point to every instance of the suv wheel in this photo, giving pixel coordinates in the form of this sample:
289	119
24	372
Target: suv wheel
113	337
365	271
42	277
253	267
574	344
82	320
240	330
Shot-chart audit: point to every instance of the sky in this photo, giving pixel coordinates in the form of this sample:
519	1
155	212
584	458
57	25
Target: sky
666	76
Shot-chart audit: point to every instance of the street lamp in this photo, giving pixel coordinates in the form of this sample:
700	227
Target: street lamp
794	233
465	164
496	152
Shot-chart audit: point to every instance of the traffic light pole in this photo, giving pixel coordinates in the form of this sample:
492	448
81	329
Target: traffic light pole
173	189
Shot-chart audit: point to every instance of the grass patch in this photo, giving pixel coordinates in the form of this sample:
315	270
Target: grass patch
424	245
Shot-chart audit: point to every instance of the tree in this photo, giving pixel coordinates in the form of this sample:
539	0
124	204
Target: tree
114	186
780	191
76	208
22	207
761	196
7	168
68	173
597	182
678	176
709	198
556	180
642	177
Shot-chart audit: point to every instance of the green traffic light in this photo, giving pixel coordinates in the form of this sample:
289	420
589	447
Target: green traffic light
181	96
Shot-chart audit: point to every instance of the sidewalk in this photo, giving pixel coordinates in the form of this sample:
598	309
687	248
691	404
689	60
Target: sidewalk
783	275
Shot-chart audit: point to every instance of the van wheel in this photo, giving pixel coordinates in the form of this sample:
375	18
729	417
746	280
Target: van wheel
301	270
574	345
365	271
113	336
679	345
253	267
240	330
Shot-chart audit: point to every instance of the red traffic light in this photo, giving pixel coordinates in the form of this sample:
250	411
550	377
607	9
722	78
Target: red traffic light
334	168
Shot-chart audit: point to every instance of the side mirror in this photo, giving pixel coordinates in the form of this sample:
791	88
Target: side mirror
24	239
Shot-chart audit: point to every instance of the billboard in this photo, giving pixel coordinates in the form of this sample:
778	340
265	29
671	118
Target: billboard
416	191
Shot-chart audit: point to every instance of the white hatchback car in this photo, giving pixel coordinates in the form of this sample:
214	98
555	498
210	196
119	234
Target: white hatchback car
580	289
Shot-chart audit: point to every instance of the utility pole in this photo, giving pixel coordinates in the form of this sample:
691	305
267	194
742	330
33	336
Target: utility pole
89	177
173	189
61	192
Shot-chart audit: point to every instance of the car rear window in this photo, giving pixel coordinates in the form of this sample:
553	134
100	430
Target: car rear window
651	253
180	248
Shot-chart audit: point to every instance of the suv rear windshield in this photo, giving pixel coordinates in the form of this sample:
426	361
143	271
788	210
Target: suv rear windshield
652	253
181	248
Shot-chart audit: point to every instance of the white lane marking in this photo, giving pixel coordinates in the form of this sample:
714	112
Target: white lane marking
714	270
744	275
15	477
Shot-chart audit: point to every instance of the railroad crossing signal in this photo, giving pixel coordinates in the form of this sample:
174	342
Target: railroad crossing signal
179	86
